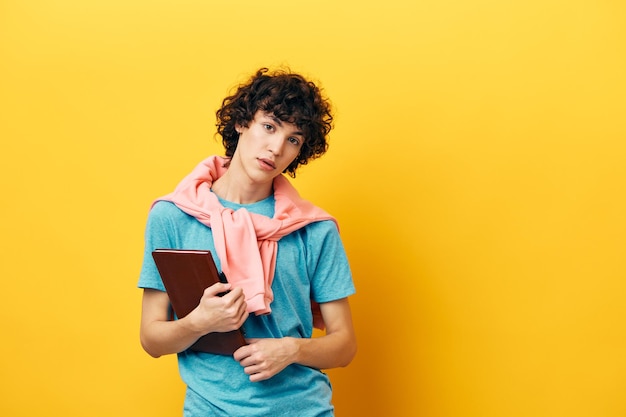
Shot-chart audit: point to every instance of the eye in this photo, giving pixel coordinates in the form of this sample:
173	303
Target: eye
294	140
268	127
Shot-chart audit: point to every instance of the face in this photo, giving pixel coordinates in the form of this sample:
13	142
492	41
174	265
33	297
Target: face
267	146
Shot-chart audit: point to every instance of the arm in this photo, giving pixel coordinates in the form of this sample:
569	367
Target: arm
161	336
264	358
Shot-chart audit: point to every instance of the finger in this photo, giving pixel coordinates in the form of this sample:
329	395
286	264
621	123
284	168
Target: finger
242	307
234	295
252	369
260	376
233	303
241	353
247	363
217	288
242	316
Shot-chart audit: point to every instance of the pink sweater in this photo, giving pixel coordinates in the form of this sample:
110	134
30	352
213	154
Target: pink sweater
246	243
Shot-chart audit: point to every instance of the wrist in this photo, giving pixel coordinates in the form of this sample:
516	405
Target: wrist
192	325
295	349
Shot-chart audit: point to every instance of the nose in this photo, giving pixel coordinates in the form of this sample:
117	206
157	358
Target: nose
275	144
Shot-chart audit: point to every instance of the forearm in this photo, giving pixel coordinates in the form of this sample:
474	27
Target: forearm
337	347
325	352
264	358
160	338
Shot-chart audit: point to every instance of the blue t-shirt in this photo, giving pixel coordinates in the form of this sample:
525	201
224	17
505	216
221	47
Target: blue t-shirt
311	263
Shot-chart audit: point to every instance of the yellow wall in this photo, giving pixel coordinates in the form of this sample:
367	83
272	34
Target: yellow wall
478	169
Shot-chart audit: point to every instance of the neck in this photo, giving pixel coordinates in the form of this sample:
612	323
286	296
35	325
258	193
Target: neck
235	190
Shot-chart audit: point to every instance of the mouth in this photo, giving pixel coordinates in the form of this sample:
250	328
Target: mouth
267	163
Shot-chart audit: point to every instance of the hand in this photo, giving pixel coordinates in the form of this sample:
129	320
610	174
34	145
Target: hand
264	358
219	314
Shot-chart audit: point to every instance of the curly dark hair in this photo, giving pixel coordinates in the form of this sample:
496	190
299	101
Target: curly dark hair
289	97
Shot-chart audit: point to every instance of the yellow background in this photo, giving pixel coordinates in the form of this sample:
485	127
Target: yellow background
477	169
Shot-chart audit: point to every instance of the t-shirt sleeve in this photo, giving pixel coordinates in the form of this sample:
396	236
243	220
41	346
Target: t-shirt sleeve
159	233
331	277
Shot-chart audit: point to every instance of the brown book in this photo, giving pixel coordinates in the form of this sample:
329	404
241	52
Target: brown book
186	274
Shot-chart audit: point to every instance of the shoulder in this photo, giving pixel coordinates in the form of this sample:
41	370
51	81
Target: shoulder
166	216
166	210
320	237
320	229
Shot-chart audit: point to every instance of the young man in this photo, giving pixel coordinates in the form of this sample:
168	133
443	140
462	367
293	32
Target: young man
283	256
